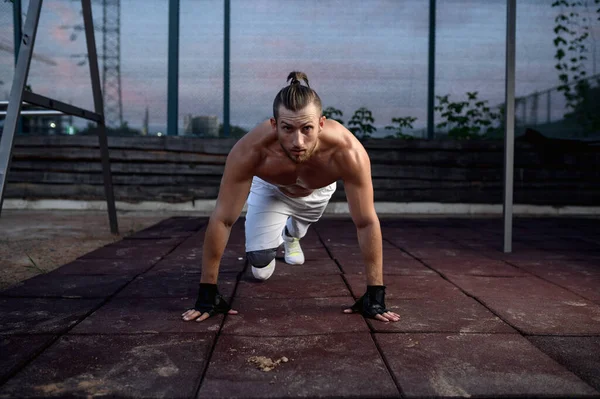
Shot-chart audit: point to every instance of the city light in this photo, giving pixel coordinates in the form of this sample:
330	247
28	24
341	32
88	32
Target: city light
52	125
159	134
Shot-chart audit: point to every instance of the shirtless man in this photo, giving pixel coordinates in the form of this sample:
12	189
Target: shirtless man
287	168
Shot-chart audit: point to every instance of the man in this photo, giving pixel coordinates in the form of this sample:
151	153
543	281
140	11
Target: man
289	166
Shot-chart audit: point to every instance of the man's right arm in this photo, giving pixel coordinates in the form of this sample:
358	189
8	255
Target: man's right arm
235	187
240	167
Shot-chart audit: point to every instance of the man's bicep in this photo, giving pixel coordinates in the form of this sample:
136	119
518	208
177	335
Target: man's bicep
359	193
360	202
234	190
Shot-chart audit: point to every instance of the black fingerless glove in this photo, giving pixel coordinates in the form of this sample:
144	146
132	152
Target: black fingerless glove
372	302
210	301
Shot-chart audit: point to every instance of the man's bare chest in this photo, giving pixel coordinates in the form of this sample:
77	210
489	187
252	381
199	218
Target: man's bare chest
308	177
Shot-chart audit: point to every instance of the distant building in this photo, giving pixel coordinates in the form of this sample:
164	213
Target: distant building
203	126
43	125
146	122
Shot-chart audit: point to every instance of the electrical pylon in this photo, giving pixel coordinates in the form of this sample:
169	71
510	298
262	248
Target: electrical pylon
111	62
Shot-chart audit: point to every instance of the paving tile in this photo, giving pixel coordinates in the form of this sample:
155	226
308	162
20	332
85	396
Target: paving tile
290	317
145	315
148	365
551	316
480	267
42	315
151	250
121	267
402	267
310	268
587	268
172	286
390	254
407	287
68	286
440	253
527	255
581	284
172	227
193	252
176	268
460	314
293	287
17	350
511	287
318	366
179	267
490	365
578	354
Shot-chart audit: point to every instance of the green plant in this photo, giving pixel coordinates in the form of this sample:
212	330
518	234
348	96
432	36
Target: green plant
398	124
234	131
572	32
331	113
361	123
467	119
35	265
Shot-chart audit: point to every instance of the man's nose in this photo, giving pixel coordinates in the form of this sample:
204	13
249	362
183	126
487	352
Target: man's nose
298	140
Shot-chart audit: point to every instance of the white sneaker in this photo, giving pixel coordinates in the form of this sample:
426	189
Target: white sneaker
263	273
293	251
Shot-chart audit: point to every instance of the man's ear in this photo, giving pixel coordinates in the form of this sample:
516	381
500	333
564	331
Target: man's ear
322	121
273	123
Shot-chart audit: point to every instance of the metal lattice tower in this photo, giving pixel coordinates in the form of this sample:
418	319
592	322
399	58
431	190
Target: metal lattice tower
111	62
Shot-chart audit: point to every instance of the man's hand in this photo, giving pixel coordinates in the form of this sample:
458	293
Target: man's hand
372	305
209	303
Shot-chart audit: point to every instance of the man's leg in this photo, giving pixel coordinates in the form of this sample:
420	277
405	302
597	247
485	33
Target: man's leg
308	210
265	219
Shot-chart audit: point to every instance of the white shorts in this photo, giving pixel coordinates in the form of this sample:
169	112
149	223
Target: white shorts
269	211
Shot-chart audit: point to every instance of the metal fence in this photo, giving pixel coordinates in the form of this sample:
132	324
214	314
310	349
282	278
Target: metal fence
351	61
548	112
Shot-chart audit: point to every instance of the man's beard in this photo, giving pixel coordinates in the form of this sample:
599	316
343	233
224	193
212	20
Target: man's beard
305	156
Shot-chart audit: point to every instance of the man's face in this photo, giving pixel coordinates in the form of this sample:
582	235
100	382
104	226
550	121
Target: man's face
298	132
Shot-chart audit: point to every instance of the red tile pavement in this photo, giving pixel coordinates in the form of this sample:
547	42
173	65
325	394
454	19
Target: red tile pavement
474	321
330	365
490	365
144	365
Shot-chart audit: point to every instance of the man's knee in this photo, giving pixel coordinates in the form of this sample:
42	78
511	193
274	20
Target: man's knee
262	257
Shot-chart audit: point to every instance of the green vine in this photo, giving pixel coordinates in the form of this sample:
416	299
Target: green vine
572	31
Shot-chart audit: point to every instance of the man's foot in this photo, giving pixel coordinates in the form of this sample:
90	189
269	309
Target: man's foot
293	251
263	273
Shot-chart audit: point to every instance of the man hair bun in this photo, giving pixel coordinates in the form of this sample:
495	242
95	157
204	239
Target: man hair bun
296	78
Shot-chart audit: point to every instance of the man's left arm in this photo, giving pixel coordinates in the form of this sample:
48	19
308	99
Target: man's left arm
359	193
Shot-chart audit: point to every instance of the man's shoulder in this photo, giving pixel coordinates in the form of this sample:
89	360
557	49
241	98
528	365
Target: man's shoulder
342	140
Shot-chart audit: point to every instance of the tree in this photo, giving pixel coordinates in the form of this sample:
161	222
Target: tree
399	124
331	113
234	131
361	123
467	119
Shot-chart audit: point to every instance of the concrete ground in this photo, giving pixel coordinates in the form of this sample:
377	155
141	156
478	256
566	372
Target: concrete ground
34	242
475	322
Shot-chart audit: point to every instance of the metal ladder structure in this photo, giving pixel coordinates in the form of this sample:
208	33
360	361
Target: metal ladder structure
18	95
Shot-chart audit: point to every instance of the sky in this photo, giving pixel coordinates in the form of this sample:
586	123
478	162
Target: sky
356	53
